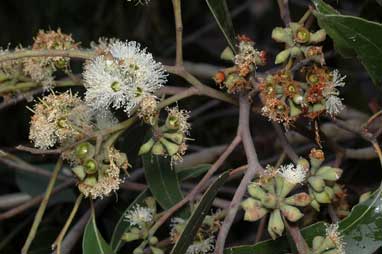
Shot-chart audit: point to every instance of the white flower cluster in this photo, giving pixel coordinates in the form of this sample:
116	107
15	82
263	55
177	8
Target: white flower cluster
202	247
333	234
293	174
139	216
333	103
122	77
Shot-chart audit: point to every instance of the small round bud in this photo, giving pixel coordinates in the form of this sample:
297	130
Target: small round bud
153	240
317	183
138	251
90	166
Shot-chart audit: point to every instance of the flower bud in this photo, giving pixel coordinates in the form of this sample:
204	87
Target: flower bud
171	148
304	163
315	205
330	191
90	180
294	111
129	237
177	137
158	149
256	191
90	166
329	173
317	241
151	203
300	199
79	171
227	54
287	187
292	213
153	240
296	52
282	56
275	224
316	158
322	197
317	37
280	34
135	230
365	196
138	250
84	150
317	183
146	147
156	250
253	209
326	244
270	201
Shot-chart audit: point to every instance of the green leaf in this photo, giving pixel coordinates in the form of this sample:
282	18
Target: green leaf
192	172
353	36
221	14
162	180
123	225
93	242
198	215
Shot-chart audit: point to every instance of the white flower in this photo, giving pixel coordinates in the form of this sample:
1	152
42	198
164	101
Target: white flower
247	54
139	216
333	103
122	77
335	236
202	247
292	173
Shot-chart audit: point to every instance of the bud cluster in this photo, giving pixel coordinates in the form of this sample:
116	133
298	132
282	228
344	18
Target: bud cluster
285	99
299	43
332	243
237	78
170	138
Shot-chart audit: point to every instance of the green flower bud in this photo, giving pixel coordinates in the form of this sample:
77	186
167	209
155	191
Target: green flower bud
90	180
256	191
286	188
296	52
158	149
90	166
318	36
322	197
329	173
253	209
177	137
171	148
79	171
270	201
327	244
365	196
129	237
279	182
315	205
317	183
316	157
138	251
227	54
275	224
282	56
317	241
156	250
330	191
284	35
153	240
300	199
84	150
292	213
294	111
146	147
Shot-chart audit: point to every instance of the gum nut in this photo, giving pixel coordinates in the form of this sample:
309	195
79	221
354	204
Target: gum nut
256	191
330	191
317	241
255	214
79	171
176	137
318	36
322	197
129	237
138	250
158	149
328	173
84	150
250	203
155	250
317	183
315	205
365	196
282	56
296	52
227	54
318	107
171	148
146	147
90	180
294	110
270	201
275	224
279	34
299	199
292	213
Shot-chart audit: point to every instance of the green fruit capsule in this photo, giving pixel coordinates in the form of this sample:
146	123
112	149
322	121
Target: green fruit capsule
300	199
138	251
256	191
329	173
322	197
270	201
90	166
317	183
227	54
282	56
153	240
292	213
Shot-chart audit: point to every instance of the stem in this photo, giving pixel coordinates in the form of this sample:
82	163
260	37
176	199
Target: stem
284	11
68	222
79	54
294	231
179	31
42	208
253	168
285	144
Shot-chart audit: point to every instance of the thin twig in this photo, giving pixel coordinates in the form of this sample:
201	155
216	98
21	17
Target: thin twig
179	31
79	54
284	143
284	11
294	231
41	209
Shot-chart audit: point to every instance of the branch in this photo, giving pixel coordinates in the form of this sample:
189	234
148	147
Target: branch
285	144
179	31
79	54
284	11
253	168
